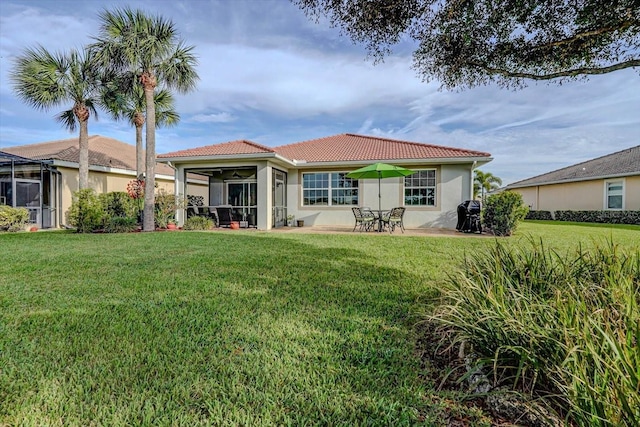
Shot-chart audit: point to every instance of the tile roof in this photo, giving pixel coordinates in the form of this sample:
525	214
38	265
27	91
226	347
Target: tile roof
625	162
226	148
103	151
351	147
343	147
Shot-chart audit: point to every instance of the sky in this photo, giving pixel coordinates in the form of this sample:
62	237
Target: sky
271	75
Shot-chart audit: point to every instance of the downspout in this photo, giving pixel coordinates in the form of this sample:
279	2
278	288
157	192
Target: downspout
473	166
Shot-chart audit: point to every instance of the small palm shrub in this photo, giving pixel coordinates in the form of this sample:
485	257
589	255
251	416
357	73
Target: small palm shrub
503	211
86	213
13	219
198	223
565	326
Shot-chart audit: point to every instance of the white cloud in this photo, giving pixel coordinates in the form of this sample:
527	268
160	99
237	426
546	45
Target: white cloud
222	117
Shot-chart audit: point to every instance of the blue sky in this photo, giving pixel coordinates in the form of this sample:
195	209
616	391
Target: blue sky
270	75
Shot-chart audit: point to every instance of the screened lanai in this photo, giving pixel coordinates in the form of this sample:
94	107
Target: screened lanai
31	184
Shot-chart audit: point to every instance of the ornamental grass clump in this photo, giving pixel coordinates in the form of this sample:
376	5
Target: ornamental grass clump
562	326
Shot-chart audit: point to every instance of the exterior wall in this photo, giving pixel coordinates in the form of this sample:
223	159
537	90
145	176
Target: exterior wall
453	186
579	196
632	193
104	182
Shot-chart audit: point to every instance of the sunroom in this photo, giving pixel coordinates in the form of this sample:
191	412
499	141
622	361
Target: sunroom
33	185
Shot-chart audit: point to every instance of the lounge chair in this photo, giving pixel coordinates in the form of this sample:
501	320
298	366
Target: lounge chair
393	219
364	219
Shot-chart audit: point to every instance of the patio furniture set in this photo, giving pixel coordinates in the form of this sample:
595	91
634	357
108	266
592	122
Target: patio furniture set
222	216
371	220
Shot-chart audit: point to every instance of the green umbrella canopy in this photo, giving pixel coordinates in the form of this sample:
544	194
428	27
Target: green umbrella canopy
379	171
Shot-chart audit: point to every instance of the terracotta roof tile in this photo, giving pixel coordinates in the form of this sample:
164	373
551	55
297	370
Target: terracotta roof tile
226	148
625	162
103	151
343	147
351	147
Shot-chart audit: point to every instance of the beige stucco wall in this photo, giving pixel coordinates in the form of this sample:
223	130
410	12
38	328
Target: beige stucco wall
453	186
104	182
632	193
583	195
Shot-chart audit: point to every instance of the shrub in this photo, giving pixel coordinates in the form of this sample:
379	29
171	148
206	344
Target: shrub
13	219
119	204
564	325
609	217
503	211
120	224
198	223
86	212
539	215
165	208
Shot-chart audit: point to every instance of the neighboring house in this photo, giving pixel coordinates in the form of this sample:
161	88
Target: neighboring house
610	182
42	177
263	185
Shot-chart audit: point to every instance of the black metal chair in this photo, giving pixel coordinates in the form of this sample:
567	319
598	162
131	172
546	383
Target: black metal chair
393	219
365	220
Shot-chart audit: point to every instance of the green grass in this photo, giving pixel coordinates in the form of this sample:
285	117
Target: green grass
238	328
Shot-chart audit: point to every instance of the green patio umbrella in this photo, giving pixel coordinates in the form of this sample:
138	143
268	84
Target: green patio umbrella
379	171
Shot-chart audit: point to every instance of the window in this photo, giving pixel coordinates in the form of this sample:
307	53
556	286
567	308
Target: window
329	189
420	188
614	191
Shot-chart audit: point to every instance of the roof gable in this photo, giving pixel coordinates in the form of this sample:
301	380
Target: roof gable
352	147
620	163
238	147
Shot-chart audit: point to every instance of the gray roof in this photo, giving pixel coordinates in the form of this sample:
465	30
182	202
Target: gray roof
621	163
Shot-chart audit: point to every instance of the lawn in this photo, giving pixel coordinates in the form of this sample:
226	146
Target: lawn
236	328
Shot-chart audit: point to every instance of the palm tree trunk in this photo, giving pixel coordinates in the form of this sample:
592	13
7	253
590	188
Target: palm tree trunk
139	151
149	83
82	114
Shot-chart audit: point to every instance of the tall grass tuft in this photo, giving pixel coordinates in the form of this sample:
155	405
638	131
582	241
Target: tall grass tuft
554	324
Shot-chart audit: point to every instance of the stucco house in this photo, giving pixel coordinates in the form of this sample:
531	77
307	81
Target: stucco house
307	180
610	182
43	177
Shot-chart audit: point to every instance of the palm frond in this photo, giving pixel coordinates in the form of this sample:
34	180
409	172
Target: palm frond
68	120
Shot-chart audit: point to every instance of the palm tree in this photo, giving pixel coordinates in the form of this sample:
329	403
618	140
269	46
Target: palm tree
147	47
131	106
485	181
45	80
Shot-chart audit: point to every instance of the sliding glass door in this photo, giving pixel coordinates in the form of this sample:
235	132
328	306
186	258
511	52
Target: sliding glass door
242	196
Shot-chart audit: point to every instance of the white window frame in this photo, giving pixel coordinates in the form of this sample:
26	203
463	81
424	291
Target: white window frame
434	187
607	182
330	189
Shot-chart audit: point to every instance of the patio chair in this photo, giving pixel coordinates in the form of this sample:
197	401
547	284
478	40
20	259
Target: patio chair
192	211
224	217
365	220
393	219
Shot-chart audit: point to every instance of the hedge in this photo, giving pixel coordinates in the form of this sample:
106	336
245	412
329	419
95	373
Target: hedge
609	217
540	215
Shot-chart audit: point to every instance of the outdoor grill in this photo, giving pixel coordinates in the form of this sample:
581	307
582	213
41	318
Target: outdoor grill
469	217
